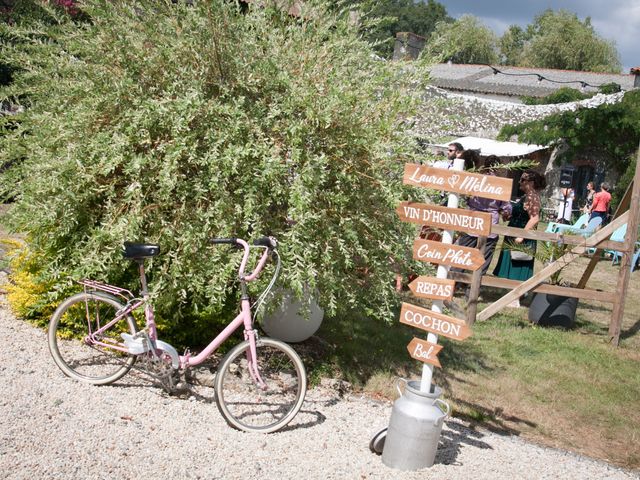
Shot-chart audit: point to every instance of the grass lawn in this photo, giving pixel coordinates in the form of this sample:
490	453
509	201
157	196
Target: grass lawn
567	389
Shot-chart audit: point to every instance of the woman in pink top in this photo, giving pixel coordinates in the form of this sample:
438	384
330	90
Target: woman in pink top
600	205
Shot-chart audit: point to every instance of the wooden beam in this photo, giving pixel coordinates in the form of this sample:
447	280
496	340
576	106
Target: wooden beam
474	291
625	263
624	205
550	269
508	284
550	237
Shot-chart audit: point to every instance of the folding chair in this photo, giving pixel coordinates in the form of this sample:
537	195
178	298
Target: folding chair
616	256
585	231
581	222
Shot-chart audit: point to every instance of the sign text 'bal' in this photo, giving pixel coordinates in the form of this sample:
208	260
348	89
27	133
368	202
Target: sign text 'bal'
424	351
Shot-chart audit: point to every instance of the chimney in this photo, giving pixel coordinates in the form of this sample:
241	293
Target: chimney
635	71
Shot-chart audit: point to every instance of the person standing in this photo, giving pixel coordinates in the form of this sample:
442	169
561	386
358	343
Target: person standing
496	208
589	200
453	151
565	206
601	201
525	214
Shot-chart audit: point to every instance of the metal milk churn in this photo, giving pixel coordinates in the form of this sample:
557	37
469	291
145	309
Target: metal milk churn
414	429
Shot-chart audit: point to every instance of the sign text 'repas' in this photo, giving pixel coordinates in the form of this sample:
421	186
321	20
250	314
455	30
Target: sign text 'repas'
431	287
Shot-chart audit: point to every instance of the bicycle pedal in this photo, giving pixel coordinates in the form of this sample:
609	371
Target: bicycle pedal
181	386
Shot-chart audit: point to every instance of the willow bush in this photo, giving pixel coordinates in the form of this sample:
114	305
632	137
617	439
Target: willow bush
170	123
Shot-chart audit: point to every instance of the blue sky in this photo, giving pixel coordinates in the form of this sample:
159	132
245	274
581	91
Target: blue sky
617	20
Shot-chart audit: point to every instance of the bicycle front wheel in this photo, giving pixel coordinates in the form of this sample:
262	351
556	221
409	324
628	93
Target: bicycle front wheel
80	344
263	404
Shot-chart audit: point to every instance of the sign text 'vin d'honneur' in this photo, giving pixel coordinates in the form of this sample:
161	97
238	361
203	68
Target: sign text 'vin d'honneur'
472	184
478	223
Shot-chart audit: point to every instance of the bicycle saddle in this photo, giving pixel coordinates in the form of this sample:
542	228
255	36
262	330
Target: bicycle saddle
135	251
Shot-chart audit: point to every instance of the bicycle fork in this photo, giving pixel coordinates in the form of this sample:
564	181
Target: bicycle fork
252	358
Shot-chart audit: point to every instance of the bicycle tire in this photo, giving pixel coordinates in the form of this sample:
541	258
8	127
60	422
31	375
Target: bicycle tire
77	357
247	407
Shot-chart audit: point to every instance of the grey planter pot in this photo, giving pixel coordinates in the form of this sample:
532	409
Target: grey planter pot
287	323
553	310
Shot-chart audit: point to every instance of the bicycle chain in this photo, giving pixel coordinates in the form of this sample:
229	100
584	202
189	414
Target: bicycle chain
157	369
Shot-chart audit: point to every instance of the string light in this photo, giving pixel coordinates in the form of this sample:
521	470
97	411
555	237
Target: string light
540	77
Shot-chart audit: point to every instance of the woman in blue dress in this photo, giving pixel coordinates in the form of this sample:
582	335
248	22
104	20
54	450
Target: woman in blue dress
525	214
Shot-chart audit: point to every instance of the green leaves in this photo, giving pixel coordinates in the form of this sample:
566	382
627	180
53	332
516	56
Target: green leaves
464	41
560	40
194	122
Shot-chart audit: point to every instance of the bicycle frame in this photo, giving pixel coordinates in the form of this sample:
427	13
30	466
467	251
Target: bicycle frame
244	318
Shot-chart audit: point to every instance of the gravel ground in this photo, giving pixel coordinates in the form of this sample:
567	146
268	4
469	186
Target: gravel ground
53	427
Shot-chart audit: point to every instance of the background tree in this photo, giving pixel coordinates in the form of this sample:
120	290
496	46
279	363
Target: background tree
393	16
511	45
173	124
464	41
560	40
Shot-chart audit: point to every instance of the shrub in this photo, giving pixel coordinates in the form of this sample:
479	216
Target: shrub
27	293
562	95
172	123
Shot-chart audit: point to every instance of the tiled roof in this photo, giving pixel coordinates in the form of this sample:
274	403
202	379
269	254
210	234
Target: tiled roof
512	81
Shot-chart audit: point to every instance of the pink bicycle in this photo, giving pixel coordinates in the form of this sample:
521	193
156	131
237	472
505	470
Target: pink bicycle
259	385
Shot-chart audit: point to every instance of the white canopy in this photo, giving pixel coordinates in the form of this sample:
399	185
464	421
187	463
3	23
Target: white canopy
488	147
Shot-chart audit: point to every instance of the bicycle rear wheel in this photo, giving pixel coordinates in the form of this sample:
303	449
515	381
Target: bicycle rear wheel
81	353
247	406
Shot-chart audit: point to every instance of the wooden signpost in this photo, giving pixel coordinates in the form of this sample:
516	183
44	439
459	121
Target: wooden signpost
452	255
478	223
433	288
473	184
425	352
434	322
444	254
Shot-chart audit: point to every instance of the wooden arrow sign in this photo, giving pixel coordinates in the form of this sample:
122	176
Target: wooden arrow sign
434	288
478	223
434	322
426	352
474	184
447	254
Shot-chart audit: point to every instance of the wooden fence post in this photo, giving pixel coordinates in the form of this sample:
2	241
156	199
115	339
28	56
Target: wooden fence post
474	289
625	263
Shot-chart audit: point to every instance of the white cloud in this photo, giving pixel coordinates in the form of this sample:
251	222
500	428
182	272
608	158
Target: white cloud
622	24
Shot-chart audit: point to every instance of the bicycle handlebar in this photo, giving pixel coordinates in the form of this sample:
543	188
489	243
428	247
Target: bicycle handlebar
268	243
220	241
